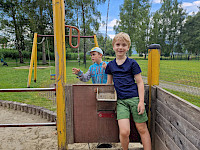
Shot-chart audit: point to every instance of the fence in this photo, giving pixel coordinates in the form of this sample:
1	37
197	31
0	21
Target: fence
175	122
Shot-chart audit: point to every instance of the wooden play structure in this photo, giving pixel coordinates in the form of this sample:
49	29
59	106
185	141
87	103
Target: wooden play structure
87	114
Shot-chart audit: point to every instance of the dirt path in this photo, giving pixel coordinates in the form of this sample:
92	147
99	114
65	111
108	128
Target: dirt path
26	138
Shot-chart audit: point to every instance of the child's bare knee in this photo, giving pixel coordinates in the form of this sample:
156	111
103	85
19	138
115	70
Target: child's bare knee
142	128
124	133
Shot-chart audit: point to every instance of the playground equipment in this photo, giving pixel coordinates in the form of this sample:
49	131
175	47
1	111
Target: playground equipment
154	52
91	117
99	116
34	52
27	90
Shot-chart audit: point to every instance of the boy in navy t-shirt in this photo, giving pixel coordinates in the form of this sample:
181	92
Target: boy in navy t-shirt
126	75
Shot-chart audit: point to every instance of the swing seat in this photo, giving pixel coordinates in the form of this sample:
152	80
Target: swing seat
53	76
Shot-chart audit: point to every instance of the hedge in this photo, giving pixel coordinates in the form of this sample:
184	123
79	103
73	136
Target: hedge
13	54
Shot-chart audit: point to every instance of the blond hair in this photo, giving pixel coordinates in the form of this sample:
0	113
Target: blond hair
122	36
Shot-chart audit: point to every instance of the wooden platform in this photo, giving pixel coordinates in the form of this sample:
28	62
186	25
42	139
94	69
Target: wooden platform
115	146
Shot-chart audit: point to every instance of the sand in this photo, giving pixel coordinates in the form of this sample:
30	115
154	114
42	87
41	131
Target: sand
38	138
25	138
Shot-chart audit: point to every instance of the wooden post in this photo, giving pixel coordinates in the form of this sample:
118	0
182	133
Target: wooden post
59	45
34	48
153	72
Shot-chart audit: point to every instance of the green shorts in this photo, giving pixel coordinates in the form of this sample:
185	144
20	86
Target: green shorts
125	106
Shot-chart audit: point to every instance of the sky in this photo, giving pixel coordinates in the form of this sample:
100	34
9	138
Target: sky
189	5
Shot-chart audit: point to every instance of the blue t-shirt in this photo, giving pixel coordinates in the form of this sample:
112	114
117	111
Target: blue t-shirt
98	74
123	77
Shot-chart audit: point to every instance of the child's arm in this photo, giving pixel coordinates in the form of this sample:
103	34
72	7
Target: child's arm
109	79
82	77
140	84
75	71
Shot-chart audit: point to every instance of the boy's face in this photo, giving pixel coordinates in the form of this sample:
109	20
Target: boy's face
96	57
120	47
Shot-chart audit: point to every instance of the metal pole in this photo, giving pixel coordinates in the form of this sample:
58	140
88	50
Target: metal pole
27	89
95	41
59	40
32	59
35	64
76	36
29	124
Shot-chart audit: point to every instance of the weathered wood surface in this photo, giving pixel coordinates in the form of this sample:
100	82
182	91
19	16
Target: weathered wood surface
88	126
183	108
69	113
153	114
83	121
159	143
179	121
164	137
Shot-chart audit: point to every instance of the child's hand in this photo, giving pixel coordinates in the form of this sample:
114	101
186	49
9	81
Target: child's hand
75	71
141	108
104	65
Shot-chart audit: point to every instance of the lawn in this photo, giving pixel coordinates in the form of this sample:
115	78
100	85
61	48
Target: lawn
184	72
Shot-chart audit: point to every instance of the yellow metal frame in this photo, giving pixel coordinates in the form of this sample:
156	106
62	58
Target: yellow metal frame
33	60
60	65
60	61
95	41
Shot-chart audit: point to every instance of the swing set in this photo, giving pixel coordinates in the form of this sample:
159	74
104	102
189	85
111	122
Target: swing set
33	61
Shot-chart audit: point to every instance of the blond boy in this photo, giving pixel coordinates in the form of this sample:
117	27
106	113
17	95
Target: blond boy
126	75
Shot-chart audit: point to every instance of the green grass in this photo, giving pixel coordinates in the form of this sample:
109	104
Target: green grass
190	98
181	72
184	72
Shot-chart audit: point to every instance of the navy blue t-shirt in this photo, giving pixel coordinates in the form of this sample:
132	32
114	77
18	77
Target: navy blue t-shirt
123	77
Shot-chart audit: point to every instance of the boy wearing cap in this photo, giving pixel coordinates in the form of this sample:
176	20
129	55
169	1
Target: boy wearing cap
126	75
95	71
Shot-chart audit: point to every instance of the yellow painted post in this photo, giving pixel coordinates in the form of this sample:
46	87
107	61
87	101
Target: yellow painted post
65	76
35	64
153	72
95	41
59	45
34	48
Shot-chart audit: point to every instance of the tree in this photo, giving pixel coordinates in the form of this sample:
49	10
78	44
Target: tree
3	41
170	25
134	20
154	28
14	22
40	15
88	17
190	35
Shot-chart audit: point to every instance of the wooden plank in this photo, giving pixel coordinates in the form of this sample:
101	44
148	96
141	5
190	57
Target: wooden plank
181	141
88	126
153	115
183	126
159	144
69	114
146	95
167	141
185	109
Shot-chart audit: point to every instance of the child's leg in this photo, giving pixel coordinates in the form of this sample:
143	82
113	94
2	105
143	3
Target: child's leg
124	132
144	134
